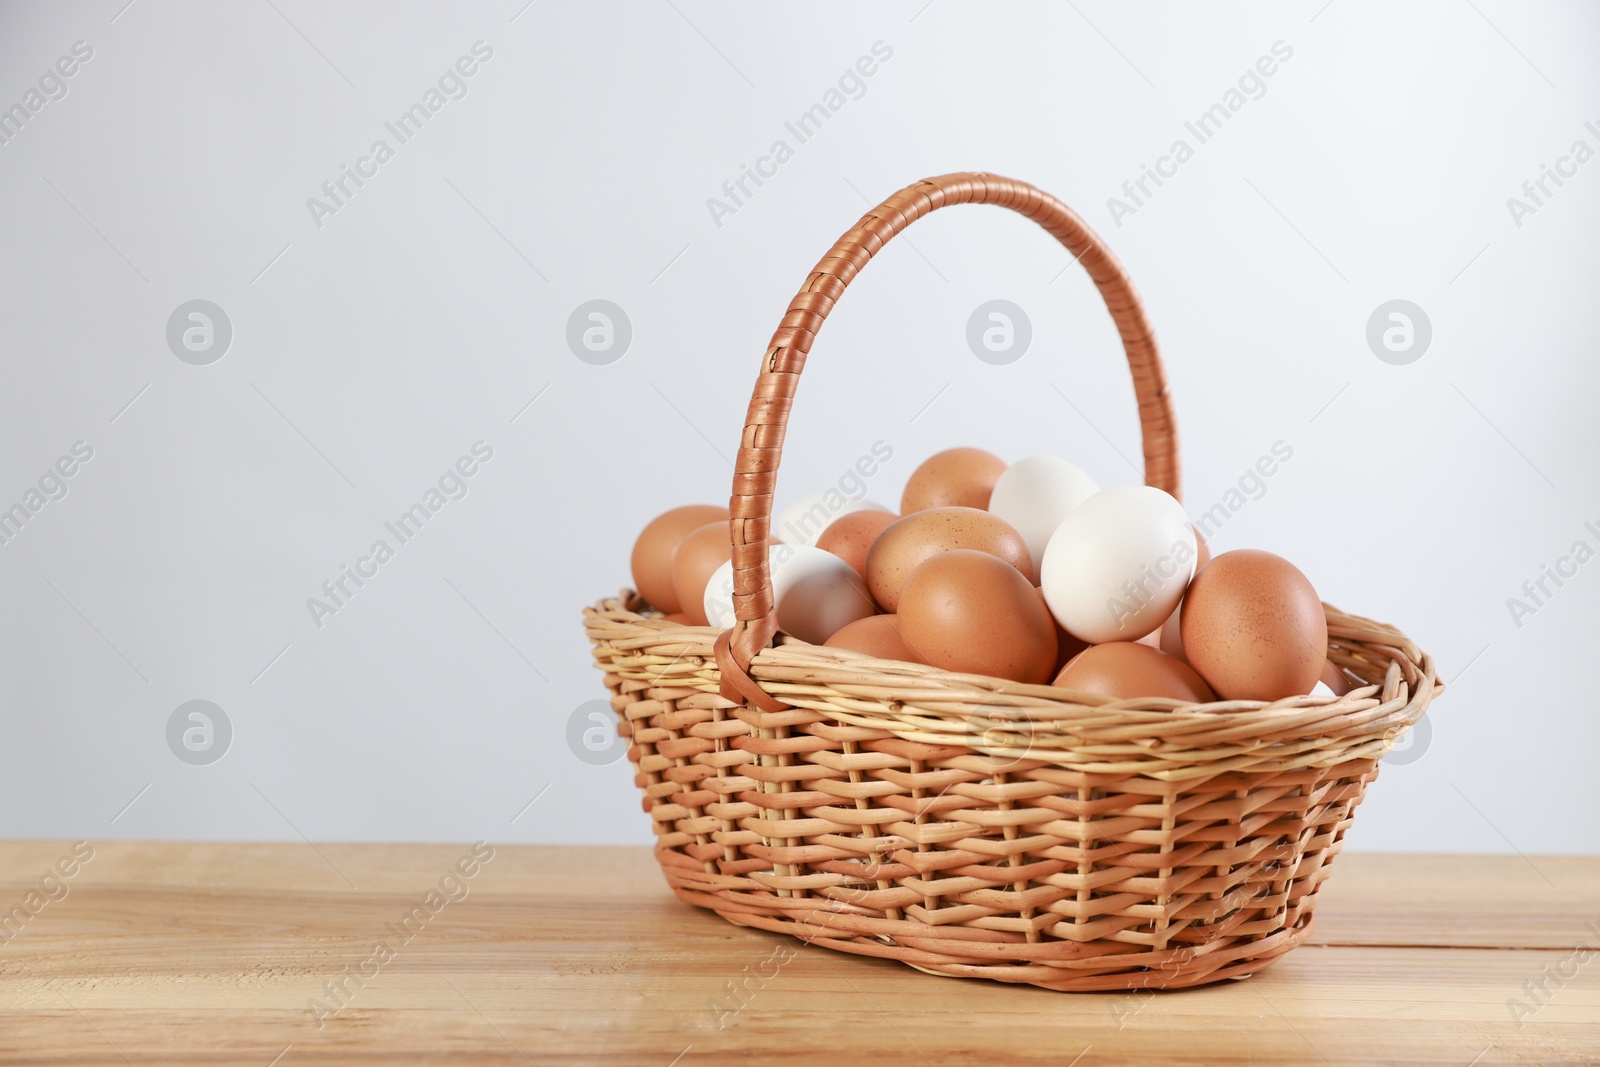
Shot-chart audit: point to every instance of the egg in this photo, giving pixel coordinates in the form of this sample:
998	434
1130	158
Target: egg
954	478
916	537
696	559
1254	627
878	636
849	536
1118	564
972	612
816	593
1035	494
803	521
653	551
1128	670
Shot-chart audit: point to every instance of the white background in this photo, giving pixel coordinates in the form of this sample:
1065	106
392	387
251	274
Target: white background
372	351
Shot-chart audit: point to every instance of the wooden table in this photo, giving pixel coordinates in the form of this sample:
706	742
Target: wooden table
208	953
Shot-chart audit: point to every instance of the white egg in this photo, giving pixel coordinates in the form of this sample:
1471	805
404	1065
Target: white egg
1035	495
817	593
1117	566
803	521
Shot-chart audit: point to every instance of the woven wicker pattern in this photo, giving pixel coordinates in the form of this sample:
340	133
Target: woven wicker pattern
971	826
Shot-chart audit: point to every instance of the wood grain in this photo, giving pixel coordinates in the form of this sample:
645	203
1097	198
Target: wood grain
208	954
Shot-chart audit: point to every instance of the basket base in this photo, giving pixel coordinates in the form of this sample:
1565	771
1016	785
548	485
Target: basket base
1224	958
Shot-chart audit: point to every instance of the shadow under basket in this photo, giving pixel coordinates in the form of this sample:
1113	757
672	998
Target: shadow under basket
967	825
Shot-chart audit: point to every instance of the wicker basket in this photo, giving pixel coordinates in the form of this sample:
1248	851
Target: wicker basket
967	825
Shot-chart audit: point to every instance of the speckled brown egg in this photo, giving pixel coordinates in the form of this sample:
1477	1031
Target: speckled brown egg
653	551
851	534
954	478
909	541
970	611
1254	627
1127	670
876	635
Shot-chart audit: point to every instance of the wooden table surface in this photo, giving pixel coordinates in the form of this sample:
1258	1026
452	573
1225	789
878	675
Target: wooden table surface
159	952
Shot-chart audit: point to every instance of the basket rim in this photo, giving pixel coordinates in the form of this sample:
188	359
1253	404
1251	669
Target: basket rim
1016	721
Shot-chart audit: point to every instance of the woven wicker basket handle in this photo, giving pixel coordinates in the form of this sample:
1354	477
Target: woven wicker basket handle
761	446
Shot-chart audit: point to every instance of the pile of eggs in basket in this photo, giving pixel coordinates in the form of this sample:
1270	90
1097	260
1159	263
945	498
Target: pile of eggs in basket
1028	572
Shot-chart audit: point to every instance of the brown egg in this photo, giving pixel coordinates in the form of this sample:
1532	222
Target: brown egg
909	541
876	635
652	553
683	620
1067	646
1128	670
954	478
693	564
970	611
851	534
1254	628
